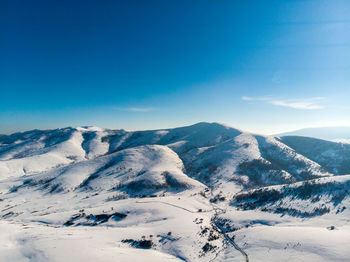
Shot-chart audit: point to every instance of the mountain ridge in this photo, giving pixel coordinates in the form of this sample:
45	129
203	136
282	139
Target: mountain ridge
191	143
207	183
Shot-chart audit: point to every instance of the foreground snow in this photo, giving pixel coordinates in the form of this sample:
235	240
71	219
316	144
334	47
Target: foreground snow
295	243
35	242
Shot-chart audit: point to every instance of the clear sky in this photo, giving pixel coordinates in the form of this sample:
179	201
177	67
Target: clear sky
262	66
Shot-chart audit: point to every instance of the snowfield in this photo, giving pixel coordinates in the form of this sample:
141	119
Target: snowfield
20	242
206	192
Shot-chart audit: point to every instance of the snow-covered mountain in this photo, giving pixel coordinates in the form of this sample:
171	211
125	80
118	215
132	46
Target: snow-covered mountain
336	133
209	153
175	194
334	157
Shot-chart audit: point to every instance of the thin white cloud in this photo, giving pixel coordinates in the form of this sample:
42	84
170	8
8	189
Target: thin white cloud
297	105
303	103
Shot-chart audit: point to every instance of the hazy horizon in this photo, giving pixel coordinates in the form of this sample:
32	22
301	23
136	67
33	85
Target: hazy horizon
288	132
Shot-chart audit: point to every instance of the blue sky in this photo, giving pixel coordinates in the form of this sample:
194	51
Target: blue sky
262	66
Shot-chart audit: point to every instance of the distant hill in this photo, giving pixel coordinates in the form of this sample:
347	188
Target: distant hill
339	133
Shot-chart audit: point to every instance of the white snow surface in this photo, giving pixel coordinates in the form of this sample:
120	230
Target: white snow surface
94	194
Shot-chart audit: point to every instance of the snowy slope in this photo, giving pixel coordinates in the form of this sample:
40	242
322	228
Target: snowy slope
39	151
212	151
209	151
189	193
140	169
305	199
20	242
335	157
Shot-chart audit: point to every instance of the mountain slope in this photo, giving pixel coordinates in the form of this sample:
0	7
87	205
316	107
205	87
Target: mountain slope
334	157
212	153
309	198
188	192
38	151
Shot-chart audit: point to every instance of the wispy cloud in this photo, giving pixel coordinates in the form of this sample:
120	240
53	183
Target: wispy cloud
297	105
301	103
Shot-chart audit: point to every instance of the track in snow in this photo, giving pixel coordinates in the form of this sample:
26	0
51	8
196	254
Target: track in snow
213	223
227	237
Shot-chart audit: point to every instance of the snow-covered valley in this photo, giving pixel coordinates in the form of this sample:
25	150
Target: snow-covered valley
206	192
